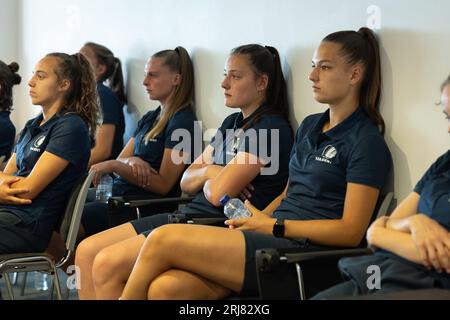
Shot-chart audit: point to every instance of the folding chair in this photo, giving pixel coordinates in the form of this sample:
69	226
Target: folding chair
68	230
288	274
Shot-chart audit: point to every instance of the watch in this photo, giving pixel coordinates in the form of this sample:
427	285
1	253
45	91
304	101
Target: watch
279	228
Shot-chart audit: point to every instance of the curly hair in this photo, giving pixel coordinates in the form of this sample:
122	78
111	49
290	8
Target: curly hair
82	98
8	79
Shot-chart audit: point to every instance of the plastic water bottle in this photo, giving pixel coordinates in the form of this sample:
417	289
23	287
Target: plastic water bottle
104	188
40	281
234	208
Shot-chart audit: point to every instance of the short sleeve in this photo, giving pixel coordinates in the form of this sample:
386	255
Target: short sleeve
441	210
110	108
179	132
69	139
215	141
218	139
430	172
271	134
257	141
370	162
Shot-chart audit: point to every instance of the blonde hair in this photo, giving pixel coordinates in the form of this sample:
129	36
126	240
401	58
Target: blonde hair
177	60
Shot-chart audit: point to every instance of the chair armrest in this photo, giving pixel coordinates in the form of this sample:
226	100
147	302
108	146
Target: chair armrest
117	203
198	218
299	273
327	254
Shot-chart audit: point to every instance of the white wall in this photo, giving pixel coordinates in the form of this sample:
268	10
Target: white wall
9	32
414	39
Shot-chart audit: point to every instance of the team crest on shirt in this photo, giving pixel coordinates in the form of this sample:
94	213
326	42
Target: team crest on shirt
328	154
38	143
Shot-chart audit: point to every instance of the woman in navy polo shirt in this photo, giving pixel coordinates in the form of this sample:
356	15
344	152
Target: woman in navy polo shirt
338	165
413	243
51	154
8	79
107	69
147	165
251	146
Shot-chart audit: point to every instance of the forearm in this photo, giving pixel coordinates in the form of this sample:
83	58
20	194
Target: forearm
324	232
274	205
99	154
125	171
401	224
159	185
3	175
397	242
194	179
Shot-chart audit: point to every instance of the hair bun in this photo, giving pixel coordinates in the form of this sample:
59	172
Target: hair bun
17	79
14	67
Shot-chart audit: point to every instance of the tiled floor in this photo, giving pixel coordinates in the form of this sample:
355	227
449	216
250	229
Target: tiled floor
31	293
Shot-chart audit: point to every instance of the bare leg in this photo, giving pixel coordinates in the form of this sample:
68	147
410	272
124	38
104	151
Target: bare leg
182	285
89	248
113	265
216	254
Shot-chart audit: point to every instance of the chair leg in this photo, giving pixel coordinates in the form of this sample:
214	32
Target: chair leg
15	278
52	288
138	213
300	281
9	286
24	284
67	294
56	284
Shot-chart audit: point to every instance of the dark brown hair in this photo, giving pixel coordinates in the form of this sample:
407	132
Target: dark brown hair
8	79
113	73
266	60
362	47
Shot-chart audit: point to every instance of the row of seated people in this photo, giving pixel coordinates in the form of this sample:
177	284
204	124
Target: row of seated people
111	92
331	181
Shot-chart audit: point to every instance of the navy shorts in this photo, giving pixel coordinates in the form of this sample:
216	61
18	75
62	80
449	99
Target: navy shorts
253	241
17	237
146	225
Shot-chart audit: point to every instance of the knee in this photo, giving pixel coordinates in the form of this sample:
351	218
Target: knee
106	266
86	251
162	240
164	288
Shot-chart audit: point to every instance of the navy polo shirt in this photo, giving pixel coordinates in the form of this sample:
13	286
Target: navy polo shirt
322	164
7	134
434	191
153	150
434	202
112	109
65	136
270	132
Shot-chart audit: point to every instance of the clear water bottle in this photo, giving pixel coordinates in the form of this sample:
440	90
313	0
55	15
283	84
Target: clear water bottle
234	208
40	281
104	188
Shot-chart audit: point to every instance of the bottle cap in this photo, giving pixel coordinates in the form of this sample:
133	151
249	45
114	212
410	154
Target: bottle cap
224	200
